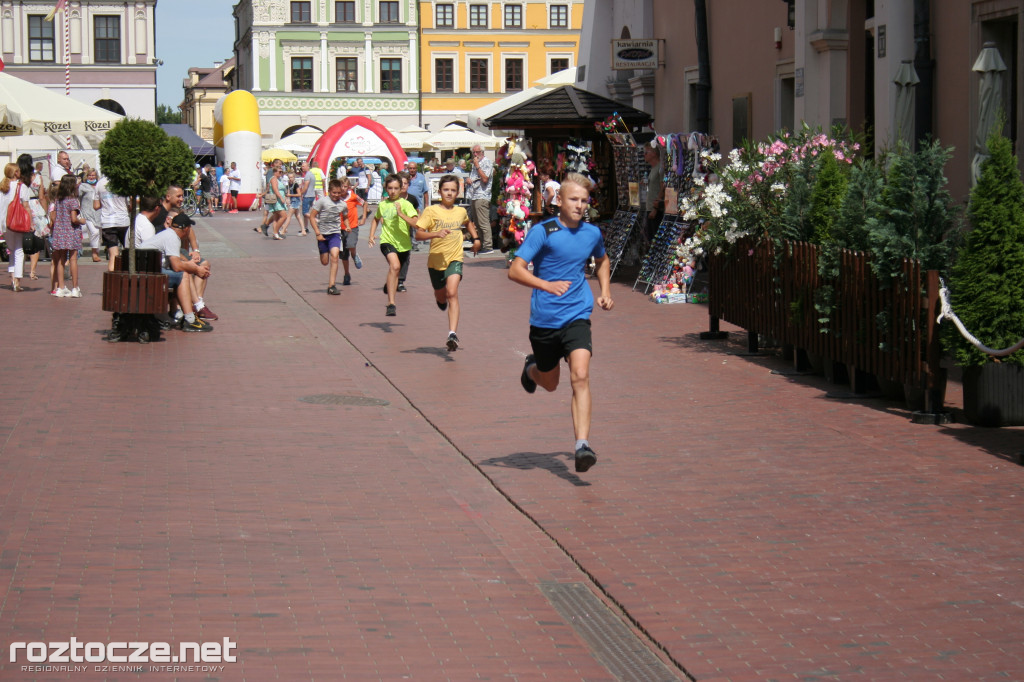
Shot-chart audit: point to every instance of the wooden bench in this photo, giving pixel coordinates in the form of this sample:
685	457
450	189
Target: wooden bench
143	293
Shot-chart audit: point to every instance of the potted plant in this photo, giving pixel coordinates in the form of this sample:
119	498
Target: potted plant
987	292
139	159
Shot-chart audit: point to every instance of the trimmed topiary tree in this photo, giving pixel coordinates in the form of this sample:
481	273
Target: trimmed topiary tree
139	159
987	282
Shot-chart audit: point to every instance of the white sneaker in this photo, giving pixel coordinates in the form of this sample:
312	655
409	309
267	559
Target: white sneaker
63	293
75	293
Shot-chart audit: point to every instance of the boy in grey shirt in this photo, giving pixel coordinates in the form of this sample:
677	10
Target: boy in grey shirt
325	217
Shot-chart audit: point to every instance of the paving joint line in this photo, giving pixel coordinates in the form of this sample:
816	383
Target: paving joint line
621	608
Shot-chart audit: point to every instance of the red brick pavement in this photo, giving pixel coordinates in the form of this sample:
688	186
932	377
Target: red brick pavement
754	529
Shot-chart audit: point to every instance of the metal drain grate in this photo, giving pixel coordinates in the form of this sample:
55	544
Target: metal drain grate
614	644
335	399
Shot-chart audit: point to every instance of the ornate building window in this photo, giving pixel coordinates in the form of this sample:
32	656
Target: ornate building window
389	12
348	74
444	75
345	12
40	39
478	80
444	16
390	74
301	12
302	74
107	37
513	16
478	16
558	16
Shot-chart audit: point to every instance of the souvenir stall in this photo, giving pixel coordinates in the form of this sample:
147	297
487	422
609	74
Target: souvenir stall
670	265
556	128
629	170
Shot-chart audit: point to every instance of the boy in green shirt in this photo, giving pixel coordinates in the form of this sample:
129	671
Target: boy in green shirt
396	216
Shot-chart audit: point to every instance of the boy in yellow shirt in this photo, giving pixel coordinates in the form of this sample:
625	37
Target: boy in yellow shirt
442	225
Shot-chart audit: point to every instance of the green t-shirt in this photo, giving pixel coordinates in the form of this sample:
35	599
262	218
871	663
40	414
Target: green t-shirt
394	230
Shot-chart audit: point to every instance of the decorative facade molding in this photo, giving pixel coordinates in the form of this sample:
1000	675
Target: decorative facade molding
337	103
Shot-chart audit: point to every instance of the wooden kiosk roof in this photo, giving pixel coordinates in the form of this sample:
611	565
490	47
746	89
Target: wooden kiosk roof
567	106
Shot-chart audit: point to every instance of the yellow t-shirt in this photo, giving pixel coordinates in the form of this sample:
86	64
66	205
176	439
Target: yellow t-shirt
448	249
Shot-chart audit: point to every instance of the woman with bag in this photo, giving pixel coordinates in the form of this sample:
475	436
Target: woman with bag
13	193
67	236
38	204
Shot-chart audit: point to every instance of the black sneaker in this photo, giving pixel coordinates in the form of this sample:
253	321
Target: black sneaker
484	252
401	287
333	290
453	342
391	310
347	280
196	326
442	306
529	384
585	458
266	229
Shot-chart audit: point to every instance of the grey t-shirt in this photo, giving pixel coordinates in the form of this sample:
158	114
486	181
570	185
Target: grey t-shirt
329	214
310	179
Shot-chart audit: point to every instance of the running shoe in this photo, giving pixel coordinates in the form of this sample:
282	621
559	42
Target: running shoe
401	286
453	342
391	310
197	326
333	290
358	261
75	293
442	306
206	314
346	281
585	458
63	293
529	384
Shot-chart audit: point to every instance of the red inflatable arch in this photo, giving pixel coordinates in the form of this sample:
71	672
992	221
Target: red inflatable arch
357	136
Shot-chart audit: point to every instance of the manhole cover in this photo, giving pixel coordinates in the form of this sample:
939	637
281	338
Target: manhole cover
335	399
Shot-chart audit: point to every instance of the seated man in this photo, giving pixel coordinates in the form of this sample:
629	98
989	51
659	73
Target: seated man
169	242
149	207
175	199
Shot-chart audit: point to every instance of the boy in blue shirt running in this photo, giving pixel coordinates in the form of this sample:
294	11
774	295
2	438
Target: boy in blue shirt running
562	302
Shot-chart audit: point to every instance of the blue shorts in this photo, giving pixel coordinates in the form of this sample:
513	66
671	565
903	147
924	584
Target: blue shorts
307	203
331	241
295	201
173	278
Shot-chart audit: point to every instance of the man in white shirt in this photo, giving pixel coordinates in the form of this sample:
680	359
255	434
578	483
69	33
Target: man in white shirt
149	207
113	220
235	186
169	243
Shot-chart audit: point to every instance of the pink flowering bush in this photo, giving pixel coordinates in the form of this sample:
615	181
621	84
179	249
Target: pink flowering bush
766	189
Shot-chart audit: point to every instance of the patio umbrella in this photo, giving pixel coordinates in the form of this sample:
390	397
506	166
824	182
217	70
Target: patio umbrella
906	79
30	109
454	136
412	137
990	101
277	153
300	141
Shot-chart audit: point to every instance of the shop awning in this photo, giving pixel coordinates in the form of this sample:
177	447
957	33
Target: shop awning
198	145
565	106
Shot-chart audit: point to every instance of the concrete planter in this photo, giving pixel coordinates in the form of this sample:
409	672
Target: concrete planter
994	394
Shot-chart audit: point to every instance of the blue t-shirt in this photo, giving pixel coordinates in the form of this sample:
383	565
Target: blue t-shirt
418	187
561	256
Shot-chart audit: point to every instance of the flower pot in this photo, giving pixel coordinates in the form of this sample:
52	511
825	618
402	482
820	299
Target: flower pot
994	394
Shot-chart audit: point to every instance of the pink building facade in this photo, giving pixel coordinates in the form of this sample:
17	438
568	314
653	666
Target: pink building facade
112	47
776	64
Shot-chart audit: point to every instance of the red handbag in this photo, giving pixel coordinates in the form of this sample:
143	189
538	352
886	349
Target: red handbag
18	217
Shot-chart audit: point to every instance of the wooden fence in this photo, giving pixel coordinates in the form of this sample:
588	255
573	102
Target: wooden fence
888	332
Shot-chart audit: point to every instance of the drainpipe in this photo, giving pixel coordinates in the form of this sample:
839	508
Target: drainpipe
703	67
925	67
419	63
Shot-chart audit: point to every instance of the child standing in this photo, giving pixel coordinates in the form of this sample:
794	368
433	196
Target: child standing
326	217
442	224
67	236
396	215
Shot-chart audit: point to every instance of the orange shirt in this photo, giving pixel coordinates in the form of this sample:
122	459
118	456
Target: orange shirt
353	201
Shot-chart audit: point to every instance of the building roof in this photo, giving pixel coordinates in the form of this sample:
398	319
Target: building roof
566	105
210	76
198	145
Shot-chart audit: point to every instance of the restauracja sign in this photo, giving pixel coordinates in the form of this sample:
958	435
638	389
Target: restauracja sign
634	54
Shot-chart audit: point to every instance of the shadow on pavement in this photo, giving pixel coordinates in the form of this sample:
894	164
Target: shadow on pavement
386	327
1006	443
549	461
431	350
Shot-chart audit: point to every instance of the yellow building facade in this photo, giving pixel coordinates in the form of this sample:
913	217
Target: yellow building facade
473	53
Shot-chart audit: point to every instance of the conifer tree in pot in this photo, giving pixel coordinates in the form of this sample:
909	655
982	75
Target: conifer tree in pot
987	292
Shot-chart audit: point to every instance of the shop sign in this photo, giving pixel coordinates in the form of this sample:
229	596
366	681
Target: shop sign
634	54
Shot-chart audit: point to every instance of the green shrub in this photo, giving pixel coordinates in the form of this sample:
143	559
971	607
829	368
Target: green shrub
987	282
